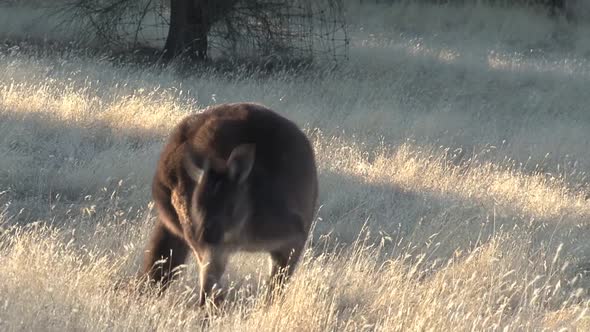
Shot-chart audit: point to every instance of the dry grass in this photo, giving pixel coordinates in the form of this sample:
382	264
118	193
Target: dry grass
453	200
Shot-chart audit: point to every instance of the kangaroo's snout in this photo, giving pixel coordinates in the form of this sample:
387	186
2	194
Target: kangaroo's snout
213	233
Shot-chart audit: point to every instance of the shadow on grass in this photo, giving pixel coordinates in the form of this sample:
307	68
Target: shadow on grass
49	167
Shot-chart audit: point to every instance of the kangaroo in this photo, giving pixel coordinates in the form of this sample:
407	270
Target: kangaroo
235	177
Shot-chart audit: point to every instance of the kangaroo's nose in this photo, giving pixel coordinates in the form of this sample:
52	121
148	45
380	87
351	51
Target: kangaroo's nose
213	232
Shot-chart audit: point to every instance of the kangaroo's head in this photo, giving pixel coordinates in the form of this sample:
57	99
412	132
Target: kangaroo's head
221	200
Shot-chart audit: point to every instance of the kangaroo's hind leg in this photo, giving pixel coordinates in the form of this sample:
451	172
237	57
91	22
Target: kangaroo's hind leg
167	248
283	264
164	254
288	238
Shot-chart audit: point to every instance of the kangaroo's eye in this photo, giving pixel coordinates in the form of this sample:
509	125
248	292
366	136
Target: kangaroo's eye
213	186
216	187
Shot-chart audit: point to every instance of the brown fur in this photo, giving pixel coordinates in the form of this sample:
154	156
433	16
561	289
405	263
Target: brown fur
234	177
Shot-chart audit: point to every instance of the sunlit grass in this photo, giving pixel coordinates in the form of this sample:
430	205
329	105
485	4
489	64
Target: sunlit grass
449	243
453	195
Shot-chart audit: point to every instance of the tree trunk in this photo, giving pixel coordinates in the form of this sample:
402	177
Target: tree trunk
189	26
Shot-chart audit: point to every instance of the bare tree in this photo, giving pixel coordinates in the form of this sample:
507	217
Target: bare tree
291	28
190	24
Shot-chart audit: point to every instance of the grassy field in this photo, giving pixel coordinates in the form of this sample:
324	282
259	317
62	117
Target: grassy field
453	159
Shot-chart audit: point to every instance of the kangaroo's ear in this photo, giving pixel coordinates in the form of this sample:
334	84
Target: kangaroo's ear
192	166
240	162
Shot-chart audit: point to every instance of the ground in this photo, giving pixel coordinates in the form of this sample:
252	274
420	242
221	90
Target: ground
452	151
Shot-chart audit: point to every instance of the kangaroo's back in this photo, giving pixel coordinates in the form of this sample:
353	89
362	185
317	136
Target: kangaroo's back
284	168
